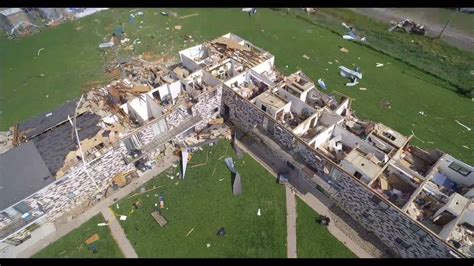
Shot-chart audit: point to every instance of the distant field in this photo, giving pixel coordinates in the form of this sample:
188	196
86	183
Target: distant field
199	206
74	61
315	240
73	244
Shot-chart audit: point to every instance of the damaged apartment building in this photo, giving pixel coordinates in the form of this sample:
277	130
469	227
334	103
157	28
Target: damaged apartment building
417	202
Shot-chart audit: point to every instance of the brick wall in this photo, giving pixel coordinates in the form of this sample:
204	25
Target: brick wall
395	229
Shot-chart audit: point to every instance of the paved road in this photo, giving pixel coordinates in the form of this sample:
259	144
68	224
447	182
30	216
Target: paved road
291	223
452	35
118	234
63	229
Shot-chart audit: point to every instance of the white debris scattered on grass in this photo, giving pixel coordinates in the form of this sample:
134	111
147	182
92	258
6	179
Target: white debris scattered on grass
102	224
363	89
466	147
117	206
461	124
422	113
306	57
221	179
175	165
39	51
208	245
378	65
286	66
259	213
123	217
330	63
156	204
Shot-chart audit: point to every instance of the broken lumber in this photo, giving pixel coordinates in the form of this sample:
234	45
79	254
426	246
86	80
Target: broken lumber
188	16
190	231
92	239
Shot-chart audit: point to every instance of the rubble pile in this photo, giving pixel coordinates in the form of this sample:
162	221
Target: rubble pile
408	26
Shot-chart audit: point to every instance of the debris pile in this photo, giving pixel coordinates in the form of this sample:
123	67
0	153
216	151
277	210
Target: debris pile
353	75
408	26
352	34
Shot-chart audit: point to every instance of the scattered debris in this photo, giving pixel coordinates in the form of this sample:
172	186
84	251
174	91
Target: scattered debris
162	202
213	171
102	224
177	27
39	51
184	161
422	113
306	57
385	104
378	65
353	75
221	232
323	220
92	239
344	50
430	142
164	13
123	217
352	35
322	84
188	16
117	206
190	231
363	89
466	147
330	62
259	213
208	245
237	185
221	179
408	26
461	124
160	219
413	133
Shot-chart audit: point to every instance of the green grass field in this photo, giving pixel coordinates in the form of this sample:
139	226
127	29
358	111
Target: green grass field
73	244
75	60
314	240
204	203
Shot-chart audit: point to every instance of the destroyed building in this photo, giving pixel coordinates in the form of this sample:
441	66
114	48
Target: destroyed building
417	202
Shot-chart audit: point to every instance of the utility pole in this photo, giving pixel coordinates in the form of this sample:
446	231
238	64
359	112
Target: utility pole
447	23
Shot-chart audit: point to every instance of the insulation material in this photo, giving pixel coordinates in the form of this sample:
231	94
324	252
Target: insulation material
184	159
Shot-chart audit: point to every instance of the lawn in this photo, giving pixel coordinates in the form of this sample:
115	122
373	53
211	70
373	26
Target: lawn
69	64
203	203
314	240
73	244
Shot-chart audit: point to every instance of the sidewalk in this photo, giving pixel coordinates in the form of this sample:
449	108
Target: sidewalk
314	198
64	229
119	235
291	223
322	209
